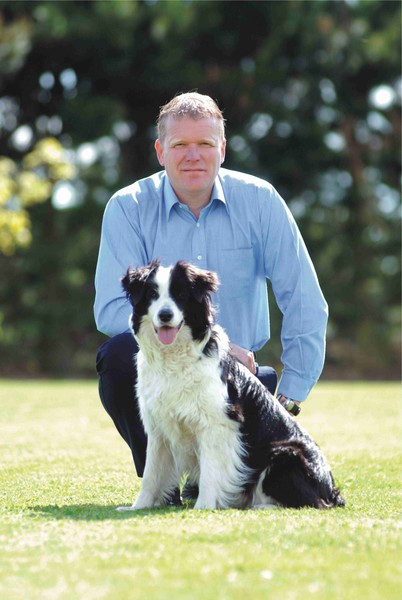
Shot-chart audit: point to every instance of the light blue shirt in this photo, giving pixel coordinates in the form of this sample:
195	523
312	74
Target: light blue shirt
246	234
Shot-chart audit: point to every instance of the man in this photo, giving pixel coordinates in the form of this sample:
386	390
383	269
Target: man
220	220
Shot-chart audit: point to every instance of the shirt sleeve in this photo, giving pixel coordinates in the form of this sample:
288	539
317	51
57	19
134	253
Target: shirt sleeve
299	297
121	246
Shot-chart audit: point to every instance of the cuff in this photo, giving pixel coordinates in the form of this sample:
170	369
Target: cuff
295	387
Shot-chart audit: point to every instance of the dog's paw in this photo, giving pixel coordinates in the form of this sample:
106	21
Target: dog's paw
126	508
264	506
204	505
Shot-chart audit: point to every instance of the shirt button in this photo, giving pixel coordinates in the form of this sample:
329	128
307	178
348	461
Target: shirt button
199	257
197	225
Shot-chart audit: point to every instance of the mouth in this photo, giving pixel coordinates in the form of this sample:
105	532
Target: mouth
167	335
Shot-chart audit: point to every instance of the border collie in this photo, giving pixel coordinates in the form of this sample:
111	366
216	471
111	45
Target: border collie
206	416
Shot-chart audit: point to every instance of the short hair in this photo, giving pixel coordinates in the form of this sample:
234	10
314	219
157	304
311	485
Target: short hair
190	104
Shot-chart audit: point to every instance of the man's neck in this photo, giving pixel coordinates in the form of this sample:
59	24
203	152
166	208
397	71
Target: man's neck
195	204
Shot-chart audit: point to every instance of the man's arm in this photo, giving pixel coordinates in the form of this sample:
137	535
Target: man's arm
299	297
120	248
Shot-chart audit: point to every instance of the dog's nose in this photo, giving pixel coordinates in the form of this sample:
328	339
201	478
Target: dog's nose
165	315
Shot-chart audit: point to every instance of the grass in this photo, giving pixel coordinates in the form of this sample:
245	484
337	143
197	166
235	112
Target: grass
64	469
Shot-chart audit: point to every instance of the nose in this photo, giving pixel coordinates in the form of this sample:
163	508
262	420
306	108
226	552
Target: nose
165	315
192	152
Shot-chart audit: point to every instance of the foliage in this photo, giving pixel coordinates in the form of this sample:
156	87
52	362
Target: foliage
312	102
23	187
64	470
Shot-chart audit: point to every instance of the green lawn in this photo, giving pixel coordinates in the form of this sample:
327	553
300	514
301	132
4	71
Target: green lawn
64	469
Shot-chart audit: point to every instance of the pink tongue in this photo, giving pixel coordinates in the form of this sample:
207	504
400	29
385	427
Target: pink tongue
167	335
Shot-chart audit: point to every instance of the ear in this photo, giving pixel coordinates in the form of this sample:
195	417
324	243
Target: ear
134	281
202	283
159	152
205	283
223	151
133	285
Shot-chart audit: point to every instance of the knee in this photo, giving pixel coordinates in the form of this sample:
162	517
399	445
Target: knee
117	353
268	377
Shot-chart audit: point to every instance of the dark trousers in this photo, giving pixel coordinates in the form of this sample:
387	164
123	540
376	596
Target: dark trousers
115	365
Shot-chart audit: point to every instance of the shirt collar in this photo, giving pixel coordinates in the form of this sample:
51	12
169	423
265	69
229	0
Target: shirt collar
170	198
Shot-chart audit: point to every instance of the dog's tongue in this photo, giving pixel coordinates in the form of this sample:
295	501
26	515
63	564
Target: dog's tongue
167	335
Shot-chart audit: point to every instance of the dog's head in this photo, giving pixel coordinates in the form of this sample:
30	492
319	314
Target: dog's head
170	298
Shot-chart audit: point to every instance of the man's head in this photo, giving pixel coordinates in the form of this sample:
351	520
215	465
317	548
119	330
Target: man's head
193	105
191	147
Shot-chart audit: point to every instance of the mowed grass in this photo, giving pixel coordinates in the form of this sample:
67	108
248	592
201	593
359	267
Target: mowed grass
64	469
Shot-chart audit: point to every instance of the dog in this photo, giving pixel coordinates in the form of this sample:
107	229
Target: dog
205	415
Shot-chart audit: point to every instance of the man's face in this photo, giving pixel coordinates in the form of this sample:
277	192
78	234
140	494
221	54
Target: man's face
191	153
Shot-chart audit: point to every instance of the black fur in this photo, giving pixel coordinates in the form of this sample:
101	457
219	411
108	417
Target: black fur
297	474
191	289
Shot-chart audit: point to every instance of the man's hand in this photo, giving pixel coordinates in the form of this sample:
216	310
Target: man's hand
244	356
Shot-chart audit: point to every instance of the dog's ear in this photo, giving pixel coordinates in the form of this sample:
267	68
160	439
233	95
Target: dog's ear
202	283
134	281
133	285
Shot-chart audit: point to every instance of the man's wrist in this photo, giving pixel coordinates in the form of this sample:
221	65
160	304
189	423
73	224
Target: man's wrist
290	405
246	357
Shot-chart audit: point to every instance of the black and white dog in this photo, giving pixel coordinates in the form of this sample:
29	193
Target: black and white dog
204	413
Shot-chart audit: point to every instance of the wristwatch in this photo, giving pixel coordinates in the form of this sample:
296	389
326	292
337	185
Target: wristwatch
289	404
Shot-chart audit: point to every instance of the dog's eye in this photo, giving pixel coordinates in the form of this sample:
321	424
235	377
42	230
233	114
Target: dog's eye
152	294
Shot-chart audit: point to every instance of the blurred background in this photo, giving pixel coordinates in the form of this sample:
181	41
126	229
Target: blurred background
311	91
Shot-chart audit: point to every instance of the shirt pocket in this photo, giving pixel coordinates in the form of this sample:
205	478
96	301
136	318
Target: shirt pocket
236	272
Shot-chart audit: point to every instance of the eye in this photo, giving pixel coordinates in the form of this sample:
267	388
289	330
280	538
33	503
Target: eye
152	294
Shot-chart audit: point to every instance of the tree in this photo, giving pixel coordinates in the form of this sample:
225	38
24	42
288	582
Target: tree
312	103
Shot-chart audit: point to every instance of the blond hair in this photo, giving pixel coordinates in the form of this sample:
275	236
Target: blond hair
190	104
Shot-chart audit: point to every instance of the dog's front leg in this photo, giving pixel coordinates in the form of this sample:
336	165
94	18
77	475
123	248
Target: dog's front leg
159	475
215	472
206	499
222	470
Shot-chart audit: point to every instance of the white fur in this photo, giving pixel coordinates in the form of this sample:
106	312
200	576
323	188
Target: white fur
182	401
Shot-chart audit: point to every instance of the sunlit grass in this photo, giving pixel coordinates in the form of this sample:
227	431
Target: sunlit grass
65	469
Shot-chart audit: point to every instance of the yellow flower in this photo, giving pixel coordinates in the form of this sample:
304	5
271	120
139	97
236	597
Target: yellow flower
32	189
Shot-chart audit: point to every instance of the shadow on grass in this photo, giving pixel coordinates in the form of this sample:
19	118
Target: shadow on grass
96	512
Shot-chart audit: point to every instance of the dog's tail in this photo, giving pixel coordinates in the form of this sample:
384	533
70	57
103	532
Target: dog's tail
297	477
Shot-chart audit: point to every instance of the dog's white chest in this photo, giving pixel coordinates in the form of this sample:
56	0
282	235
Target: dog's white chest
181	402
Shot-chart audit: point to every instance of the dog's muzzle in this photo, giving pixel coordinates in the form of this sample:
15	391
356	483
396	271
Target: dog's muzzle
166	332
